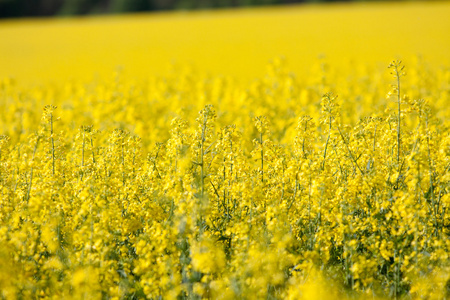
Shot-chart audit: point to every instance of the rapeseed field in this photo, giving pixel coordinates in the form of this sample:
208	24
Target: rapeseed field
236	173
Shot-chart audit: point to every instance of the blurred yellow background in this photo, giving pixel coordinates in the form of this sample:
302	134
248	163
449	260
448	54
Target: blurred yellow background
238	43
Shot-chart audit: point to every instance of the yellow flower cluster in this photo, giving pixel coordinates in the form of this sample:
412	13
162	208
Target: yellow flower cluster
189	187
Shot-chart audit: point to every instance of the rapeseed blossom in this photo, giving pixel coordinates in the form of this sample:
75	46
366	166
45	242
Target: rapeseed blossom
200	187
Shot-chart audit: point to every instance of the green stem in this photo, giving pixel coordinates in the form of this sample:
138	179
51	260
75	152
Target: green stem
433	202
31	171
399	118
326	146
262	157
53	144
350	152
93	153
123	162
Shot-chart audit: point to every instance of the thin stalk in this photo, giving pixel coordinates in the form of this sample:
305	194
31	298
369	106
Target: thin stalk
82	150
123	162
303	142
374	137
202	168
309	210
154	163
373	148
229	179
262	157
326	146
202	176
433	201
82	155
93	152
224	180
295	194
31	171
399	118
134	162
339	162
350	152
53	145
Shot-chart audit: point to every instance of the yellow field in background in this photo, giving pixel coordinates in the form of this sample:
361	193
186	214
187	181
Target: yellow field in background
325	176
233	42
